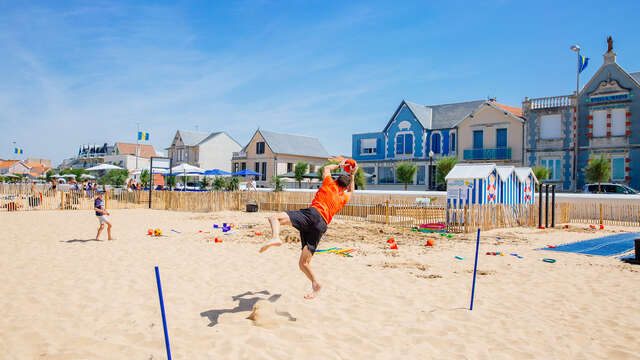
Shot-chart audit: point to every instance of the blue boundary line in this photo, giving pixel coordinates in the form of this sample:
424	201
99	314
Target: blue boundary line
164	319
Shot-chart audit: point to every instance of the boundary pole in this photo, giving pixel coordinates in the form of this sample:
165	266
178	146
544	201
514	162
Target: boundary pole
164	319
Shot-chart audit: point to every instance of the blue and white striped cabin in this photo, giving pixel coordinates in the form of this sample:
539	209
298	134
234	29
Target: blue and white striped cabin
526	185
473	184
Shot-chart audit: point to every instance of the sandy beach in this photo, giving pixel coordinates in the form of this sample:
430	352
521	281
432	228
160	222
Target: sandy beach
66	296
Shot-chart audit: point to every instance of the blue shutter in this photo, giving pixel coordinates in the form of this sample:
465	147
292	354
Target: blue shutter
399	144
408	144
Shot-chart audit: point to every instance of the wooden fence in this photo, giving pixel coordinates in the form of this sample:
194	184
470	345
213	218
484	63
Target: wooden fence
384	209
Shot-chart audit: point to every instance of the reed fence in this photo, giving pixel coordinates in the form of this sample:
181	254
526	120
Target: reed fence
375	208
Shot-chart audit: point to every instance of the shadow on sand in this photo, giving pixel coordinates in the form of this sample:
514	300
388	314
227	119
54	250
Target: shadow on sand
79	240
245	303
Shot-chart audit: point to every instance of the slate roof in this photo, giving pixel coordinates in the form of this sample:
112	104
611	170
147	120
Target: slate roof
192	138
448	115
294	144
635	76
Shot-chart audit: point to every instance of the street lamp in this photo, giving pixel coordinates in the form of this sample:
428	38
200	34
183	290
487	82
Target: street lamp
430	169
576	48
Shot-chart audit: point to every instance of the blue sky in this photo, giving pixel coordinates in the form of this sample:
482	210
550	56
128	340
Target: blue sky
87	71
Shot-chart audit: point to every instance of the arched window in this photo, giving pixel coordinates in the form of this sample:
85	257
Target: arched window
435	143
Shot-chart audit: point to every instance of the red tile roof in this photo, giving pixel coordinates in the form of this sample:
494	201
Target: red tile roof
146	151
512	109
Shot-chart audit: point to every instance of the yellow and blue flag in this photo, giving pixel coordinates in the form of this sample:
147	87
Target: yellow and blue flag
582	63
143	135
17	150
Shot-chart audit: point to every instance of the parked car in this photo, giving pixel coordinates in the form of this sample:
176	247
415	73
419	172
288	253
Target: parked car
608	188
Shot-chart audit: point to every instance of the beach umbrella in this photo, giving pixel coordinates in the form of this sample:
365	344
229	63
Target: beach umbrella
216	172
104	167
10	175
68	176
186	169
87	176
290	175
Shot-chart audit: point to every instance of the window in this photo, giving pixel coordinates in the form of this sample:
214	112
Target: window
550	127
370	171
257	169
617	168
400	144
599	123
260	147
264	168
289	167
553	166
435	143
386	174
404	144
421	174
453	142
501	138
312	169
368	146
243	166
478	139
618	122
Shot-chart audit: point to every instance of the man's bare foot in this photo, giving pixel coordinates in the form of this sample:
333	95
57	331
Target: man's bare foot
316	290
272	242
111	239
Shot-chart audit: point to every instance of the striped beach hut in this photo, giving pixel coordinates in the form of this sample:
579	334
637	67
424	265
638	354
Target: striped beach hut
508	187
527	181
473	184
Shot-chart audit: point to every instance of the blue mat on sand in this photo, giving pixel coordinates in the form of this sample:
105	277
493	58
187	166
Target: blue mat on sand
604	246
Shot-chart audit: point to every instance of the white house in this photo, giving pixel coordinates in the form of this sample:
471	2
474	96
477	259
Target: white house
204	150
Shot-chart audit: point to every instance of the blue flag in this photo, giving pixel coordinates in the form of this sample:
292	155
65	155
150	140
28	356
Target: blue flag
17	150
582	63
143	135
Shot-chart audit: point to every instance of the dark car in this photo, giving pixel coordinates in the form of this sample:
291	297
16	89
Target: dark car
608	188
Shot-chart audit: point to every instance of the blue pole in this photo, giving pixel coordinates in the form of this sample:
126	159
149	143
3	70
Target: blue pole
164	319
475	268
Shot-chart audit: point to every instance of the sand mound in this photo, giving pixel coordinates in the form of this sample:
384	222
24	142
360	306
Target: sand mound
264	315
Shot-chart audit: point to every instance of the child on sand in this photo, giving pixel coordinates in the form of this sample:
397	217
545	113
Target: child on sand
103	215
312	222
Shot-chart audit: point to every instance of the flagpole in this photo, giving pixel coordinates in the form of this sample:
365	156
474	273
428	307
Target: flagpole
576	48
137	144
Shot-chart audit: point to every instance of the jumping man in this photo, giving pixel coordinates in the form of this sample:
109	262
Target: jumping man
312	222
103	216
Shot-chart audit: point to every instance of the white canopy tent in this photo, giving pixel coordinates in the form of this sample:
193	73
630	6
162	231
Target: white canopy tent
104	167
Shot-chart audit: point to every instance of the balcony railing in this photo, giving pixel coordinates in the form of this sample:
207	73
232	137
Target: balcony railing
549	102
239	154
488	154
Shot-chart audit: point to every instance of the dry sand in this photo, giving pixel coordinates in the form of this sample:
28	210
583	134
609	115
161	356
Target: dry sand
65	296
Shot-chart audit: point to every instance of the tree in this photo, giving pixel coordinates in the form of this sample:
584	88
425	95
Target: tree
277	183
204	183
171	181
443	167
144	178
405	172
49	175
541	173
598	170
115	177
360	180
300	170
233	184
219	183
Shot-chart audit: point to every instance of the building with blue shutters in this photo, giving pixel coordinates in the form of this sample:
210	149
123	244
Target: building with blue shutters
473	131
562	137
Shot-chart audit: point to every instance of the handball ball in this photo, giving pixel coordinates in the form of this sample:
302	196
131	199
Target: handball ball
157	232
349	165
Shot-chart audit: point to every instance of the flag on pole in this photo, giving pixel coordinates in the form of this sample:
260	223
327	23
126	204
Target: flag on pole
582	63
17	150
143	135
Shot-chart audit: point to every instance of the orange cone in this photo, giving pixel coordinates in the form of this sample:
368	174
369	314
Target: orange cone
394	246
390	240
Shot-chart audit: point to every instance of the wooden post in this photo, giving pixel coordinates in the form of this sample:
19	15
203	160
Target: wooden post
465	218
386	211
601	214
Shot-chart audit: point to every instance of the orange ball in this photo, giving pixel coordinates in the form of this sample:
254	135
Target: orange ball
430	242
349	165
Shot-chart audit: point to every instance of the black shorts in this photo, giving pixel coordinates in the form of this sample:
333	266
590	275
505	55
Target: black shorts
310	224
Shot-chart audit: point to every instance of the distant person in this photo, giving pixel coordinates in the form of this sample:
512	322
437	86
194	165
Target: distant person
103	216
252	185
312	222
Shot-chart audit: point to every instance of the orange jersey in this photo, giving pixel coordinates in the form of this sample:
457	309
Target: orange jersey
329	199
